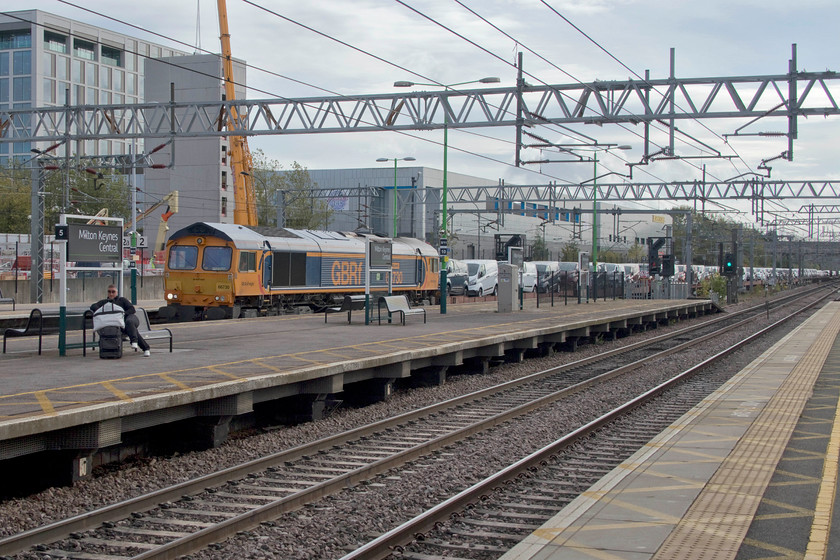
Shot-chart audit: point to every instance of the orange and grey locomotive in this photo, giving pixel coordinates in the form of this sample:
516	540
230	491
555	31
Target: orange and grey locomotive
217	271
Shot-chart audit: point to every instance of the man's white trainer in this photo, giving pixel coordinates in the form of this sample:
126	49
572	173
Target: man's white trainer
146	354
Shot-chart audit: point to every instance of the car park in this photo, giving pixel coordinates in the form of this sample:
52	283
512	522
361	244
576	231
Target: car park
484	277
457	277
529	277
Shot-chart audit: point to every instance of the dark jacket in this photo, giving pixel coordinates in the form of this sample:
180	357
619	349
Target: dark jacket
119	300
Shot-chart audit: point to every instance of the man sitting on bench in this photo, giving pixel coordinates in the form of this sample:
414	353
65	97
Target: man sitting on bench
131	320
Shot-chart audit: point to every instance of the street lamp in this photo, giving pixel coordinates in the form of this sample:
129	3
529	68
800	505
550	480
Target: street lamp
595	202
443	238
409	158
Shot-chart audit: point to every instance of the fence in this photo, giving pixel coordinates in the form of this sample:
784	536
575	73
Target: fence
84	290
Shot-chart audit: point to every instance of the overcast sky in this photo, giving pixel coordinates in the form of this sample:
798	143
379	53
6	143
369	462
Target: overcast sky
711	38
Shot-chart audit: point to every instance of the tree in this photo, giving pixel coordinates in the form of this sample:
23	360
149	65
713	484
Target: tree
267	181
609	256
570	252
303	210
637	253
539	249
15	188
87	194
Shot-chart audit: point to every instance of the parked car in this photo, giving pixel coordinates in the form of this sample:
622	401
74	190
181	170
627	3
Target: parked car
457	277
529	277
484	277
546	271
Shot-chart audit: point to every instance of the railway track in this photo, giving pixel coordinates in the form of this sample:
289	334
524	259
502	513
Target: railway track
493	515
192	515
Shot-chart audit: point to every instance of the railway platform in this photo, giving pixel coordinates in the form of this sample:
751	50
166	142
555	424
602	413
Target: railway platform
68	411
750	473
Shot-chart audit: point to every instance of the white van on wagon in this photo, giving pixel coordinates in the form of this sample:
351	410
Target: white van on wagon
484	277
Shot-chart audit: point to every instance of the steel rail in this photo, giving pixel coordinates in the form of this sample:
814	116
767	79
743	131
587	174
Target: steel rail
246	521
400	536
90	520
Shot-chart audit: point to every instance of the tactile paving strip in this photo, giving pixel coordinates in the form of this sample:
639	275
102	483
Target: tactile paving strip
718	520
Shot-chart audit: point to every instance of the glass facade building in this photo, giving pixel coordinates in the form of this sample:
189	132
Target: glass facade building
48	60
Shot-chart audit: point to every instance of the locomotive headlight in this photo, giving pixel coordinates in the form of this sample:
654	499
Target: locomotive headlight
169	296
217	298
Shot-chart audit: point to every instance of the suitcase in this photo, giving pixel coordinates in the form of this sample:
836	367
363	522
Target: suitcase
110	343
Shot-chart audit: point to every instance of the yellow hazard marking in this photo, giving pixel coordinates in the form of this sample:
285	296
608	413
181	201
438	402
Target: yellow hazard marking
44	401
821	526
175	382
217	369
116	392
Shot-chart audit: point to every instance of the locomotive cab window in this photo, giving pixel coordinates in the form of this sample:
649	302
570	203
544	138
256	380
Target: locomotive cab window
247	261
183	257
216	258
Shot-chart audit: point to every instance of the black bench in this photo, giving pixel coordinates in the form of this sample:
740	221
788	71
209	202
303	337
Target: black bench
40	323
398	304
350	304
7	300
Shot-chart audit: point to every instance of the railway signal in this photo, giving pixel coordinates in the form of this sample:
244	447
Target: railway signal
729	265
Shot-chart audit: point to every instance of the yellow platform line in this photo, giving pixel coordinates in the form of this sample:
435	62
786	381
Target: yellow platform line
716	524
821	526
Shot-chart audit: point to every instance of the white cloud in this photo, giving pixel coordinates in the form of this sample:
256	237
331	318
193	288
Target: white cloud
711	38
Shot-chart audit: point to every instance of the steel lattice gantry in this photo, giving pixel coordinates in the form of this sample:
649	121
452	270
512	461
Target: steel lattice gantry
615	192
600	102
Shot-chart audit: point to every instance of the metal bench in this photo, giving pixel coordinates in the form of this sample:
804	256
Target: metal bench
350	304
147	332
398	304
40	323
145	329
7	300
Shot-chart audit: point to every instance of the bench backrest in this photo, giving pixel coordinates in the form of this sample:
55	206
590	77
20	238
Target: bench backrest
396	303
35	317
143	317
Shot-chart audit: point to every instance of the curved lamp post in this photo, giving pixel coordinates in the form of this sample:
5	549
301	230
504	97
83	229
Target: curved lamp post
409	158
443	237
595	202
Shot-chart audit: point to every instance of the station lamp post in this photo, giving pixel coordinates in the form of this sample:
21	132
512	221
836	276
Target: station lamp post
595	201
444	249
409	158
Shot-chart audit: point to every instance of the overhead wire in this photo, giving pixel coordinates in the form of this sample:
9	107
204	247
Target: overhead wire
269	72
452	31
608	53
311	85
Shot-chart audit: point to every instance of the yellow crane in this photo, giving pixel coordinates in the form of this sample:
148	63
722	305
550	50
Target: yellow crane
245	211
171	201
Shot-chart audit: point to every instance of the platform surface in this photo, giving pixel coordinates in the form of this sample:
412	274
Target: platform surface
214	358
751	472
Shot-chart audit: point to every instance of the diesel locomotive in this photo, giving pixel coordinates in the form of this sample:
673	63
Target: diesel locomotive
217	271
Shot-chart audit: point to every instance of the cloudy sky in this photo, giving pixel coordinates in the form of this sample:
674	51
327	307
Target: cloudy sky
292	51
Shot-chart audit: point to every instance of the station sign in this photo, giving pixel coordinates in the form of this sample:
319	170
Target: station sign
380	255
142	242
444	251
94	243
